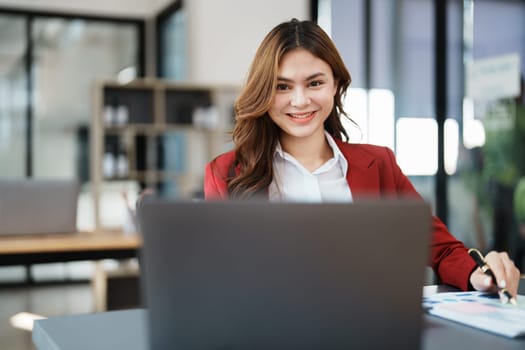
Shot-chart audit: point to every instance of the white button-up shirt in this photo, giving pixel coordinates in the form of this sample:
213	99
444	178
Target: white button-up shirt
293	182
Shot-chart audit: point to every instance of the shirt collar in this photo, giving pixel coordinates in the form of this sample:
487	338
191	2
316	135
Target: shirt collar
338	155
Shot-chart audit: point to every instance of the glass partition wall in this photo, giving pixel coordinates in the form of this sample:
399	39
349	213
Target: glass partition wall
13	96
388	47
68	56
493	148
48	67
403	79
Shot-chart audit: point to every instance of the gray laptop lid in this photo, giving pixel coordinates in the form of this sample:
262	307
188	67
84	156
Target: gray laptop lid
29	206
239	275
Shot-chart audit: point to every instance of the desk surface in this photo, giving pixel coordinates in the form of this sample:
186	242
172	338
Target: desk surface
41	248
128	330
68	242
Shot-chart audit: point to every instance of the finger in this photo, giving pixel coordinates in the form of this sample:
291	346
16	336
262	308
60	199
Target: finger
507	274
497	262
482	282
513	277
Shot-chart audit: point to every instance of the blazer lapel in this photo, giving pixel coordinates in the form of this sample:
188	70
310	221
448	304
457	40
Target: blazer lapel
363	171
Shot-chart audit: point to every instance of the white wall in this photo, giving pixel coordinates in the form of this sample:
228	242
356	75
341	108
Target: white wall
116	8
223	35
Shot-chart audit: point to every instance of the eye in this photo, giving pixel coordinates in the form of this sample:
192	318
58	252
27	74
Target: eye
316	83
282	87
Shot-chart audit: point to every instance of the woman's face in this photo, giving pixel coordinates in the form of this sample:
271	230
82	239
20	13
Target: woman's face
305	95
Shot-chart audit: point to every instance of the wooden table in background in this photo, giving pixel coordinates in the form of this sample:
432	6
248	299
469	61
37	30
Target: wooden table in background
48	248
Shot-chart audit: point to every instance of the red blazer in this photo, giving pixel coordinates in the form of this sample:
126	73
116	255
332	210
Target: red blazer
373	172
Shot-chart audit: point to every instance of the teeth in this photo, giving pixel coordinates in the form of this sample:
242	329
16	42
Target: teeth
301	116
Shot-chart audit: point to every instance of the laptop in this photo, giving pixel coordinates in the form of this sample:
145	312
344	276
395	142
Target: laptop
33	206
254	275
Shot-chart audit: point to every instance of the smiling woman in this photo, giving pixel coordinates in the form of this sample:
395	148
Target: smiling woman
290	145
295	86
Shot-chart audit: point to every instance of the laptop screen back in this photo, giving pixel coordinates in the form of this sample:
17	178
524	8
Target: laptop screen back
32	206
238	275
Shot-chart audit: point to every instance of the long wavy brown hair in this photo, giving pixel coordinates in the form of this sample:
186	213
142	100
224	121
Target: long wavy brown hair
255	135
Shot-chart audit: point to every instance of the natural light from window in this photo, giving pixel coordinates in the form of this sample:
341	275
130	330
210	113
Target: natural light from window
414	140
473	130
356	106
451	145
416	146
381	118
373	112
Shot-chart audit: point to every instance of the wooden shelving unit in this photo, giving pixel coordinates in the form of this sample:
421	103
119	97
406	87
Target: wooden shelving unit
157	134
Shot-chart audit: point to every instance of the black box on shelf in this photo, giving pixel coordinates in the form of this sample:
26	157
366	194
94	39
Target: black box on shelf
180	104
134	106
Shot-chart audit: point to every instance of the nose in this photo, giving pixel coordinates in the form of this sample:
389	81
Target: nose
299	98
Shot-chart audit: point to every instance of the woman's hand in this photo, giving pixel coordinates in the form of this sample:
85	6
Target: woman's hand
507	274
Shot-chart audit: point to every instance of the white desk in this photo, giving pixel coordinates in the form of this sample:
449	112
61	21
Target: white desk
128	330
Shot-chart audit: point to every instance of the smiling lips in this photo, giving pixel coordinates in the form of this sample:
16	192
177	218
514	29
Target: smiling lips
302	117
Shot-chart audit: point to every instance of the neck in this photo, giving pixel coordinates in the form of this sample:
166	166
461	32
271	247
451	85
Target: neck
311	152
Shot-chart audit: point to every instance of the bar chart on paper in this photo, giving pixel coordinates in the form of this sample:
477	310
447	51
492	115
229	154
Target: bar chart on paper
480	310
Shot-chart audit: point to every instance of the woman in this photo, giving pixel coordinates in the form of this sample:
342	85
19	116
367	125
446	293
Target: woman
290	145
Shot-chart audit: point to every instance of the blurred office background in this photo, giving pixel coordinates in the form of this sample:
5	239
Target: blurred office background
439	82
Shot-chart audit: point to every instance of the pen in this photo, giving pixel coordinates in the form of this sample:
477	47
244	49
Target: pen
478	258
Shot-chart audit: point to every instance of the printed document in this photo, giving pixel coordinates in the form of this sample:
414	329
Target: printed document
479	310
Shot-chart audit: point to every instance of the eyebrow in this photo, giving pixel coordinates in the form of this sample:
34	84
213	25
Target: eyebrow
313	76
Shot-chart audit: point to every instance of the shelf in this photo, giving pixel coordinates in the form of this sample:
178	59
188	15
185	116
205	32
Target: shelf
159	175
155	129
138	103
158	134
